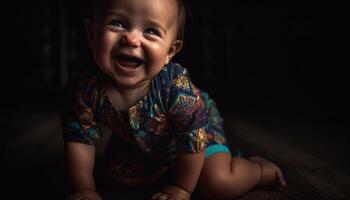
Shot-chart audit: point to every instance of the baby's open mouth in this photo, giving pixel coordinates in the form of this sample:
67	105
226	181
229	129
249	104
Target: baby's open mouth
128	61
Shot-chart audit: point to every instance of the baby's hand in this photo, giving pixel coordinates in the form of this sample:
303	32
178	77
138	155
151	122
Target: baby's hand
172	192
85	195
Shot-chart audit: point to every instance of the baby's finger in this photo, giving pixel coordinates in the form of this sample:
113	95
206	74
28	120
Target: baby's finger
155	196
163	197
160	196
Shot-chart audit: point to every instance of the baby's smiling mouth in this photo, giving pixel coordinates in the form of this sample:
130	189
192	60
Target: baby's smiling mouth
128	60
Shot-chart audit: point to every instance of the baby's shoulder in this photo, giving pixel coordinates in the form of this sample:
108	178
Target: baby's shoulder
174	70
171	74
174	78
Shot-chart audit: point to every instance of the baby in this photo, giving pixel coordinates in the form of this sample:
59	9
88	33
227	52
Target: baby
161	123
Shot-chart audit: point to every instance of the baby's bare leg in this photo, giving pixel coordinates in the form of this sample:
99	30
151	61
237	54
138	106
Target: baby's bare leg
225	177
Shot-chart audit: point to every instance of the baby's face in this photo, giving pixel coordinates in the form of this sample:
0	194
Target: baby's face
133	39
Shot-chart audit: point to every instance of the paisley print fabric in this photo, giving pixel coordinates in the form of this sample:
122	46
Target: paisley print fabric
173	116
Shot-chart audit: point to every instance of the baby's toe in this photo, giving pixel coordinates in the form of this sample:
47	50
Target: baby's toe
280	179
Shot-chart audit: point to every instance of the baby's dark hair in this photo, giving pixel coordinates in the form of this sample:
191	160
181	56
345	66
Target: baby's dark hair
182	12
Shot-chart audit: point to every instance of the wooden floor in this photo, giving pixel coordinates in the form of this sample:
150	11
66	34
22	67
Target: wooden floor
314	160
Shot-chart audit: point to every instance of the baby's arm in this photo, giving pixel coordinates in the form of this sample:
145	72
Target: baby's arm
80	163
188	167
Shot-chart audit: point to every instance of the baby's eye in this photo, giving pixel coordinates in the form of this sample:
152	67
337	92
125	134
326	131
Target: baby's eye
152	31
116	23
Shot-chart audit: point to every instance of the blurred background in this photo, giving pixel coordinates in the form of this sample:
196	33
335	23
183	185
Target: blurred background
285	60
280	58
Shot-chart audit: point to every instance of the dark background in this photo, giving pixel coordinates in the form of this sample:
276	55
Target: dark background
284	60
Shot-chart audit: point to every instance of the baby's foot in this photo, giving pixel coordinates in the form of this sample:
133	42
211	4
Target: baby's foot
270	173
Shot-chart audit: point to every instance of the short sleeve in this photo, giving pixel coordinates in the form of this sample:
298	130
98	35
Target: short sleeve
187	113
78	119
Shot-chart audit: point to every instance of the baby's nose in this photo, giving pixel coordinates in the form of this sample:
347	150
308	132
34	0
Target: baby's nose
131	39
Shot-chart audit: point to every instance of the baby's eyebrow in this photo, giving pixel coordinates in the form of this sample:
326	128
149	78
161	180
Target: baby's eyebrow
114	12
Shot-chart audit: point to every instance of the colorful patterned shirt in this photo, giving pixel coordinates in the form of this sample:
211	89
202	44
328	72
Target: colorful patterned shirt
174	116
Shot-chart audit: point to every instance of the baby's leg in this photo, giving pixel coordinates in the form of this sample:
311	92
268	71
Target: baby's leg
224	177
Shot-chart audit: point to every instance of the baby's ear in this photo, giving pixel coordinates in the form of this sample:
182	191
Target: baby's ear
89	31
174	49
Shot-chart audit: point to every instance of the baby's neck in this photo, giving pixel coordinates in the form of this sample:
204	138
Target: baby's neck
123	98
